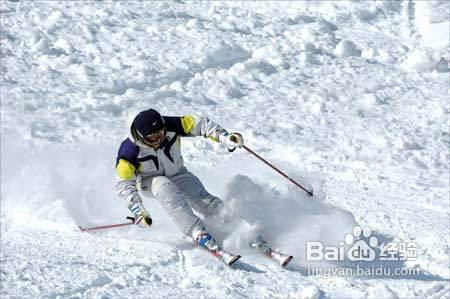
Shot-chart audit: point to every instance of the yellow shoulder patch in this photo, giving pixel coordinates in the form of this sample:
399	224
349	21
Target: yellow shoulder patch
188	123
125	170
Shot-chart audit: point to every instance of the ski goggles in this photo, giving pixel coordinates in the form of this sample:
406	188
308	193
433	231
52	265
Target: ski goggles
155	137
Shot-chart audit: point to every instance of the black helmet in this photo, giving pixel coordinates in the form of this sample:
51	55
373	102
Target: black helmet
147	122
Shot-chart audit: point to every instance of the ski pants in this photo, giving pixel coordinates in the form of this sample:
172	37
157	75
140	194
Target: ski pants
179	194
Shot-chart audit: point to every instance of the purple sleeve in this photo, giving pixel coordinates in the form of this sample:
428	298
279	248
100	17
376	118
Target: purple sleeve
128	151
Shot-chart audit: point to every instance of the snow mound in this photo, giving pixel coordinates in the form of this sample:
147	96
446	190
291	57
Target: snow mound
346	48
423	60
433	23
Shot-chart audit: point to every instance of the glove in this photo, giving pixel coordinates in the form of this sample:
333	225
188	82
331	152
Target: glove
232	140
141	216
237	139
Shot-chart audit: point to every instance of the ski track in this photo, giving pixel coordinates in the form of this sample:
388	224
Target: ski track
348	97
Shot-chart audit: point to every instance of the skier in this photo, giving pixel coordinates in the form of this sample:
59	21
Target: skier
150	161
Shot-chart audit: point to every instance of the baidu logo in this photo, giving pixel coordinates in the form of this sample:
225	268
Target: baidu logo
361	249
360	246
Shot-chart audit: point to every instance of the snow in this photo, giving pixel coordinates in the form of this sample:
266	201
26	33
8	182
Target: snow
347	48
433	23
350	97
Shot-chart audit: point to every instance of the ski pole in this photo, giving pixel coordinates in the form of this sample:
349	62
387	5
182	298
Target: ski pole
107	226
310	192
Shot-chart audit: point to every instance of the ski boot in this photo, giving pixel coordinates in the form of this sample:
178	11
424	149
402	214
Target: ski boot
264	248
203	238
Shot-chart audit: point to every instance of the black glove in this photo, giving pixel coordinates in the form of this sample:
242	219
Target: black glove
141	216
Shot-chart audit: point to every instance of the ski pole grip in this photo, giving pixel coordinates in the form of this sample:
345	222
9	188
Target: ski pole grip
130	218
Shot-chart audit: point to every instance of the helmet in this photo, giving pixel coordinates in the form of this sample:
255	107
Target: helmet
147	123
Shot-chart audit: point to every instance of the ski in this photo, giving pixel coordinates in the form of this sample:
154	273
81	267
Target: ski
262	247
205	240
226	257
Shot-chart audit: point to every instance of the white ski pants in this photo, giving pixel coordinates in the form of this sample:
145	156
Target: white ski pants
178	195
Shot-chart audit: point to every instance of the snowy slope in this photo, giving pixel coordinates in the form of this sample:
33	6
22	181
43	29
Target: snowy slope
350	97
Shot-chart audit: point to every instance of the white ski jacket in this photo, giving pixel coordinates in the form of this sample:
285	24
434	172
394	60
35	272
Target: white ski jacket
136	160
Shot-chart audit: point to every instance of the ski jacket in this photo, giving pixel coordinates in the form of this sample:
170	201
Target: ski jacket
136	160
